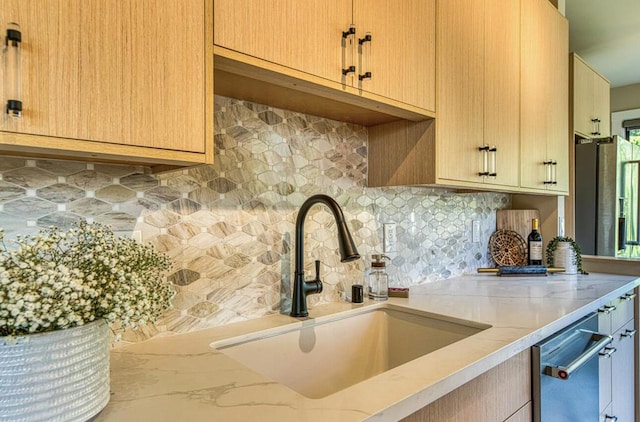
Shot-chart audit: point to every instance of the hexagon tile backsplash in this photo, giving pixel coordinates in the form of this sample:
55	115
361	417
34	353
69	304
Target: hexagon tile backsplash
230	226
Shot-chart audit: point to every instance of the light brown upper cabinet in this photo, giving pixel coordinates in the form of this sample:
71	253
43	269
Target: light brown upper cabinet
474	140
478	127
544	99
122	81
591	103
363	61
502	101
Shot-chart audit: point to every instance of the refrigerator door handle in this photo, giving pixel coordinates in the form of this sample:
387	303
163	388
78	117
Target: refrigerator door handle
637	204
622	233
630	206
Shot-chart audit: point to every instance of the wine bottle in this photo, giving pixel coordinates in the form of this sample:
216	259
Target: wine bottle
534	244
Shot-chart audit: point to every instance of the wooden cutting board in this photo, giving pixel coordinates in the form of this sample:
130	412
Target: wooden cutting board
516	220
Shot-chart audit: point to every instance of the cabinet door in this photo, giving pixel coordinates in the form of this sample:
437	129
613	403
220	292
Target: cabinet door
305	36
498	394
604	371
128	73
478	90
605	415
604	364
602	104
502	88
460	69
524	414
544	96
535	90
582	97
591	100
622	374
402	49
558	110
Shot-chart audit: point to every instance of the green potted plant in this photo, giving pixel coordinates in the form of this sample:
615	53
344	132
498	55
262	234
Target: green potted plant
59	291
563	251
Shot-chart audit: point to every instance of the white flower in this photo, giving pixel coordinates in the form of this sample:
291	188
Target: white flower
57	280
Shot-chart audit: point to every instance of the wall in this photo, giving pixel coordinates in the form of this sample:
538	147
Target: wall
229	226
618	117
625	97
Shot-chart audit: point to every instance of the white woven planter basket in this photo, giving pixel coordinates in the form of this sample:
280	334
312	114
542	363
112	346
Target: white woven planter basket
55	376
564	256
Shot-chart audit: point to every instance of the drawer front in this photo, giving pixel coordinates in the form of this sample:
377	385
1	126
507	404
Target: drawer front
623	312
604	319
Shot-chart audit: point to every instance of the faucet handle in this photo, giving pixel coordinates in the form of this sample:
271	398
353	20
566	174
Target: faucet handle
317	270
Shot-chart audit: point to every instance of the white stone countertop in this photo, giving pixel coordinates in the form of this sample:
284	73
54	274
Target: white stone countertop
181	378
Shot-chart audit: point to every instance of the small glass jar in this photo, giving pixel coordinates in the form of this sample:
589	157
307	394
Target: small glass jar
378	278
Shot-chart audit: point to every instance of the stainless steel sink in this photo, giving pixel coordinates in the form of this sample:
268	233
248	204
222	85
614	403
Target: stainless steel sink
319	357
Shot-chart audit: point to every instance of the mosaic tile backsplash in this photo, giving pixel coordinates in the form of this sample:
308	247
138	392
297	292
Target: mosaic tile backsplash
229	227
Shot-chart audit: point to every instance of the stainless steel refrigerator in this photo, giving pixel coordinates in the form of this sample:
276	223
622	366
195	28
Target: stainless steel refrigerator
607	171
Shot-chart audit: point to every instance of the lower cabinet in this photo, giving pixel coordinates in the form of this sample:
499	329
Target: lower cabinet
504	392
617	362
622	374
500	394
522	415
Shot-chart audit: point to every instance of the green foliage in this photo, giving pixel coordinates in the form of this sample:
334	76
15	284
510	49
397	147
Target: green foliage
553	245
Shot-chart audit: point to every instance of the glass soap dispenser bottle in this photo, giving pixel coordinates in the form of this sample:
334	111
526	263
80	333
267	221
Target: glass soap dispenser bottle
378	278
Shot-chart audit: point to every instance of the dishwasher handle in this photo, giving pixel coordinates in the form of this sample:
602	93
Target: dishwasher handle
564	372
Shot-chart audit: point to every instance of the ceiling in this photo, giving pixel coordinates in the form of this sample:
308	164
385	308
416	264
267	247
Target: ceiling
606	34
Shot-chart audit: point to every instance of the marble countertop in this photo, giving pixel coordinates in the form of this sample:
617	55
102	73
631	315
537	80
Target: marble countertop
181	378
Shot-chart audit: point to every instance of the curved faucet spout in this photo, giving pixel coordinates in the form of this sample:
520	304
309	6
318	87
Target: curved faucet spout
348	252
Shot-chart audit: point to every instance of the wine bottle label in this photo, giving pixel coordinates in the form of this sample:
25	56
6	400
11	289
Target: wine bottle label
535	250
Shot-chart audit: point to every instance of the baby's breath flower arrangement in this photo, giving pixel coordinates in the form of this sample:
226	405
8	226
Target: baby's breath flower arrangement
61	279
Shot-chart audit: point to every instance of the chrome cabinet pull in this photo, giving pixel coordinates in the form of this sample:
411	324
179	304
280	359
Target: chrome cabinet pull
628	333
607	309
11	51
607	352
628	297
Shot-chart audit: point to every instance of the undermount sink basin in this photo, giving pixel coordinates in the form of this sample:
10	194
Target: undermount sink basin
319	357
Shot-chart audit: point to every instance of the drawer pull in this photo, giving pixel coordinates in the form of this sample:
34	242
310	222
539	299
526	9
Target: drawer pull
628	333
607	309
628	297
608	418
607	352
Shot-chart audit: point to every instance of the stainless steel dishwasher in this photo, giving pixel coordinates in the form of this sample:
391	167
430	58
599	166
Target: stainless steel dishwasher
565	373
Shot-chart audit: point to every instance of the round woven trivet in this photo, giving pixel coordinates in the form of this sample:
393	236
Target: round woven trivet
507	248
